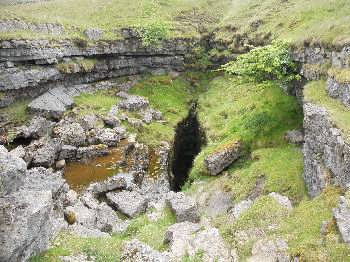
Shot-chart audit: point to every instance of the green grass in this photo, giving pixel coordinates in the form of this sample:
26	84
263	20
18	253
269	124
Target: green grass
17	112
172	98
110	15
256	114
315	92
298	20
110	249
99	102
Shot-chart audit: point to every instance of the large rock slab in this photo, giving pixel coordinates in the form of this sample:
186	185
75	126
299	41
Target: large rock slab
184	207
222	158
342	217
130	203
119	181
12	172
188	238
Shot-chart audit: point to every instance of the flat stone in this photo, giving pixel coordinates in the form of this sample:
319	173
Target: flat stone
222	158
184	207
130	203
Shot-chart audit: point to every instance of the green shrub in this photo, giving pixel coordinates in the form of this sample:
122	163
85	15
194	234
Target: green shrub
153	33
271	62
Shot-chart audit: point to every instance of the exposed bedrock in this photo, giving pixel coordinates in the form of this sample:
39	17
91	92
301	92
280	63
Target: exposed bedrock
326	152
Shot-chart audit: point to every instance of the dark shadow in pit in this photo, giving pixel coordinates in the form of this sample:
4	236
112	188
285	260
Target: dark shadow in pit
188	140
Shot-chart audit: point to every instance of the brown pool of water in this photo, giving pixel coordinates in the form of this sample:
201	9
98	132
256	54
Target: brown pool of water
79	175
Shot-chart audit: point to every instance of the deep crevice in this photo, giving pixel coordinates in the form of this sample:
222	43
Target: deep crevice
187	144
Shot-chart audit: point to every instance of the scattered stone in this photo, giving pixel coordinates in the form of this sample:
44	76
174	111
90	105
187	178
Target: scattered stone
68	152
77	258
60	164
133	102
87	232
43	152
130	203
136	251
184	207
136	123
222	158
294	137
107	136
240	207
218	204
89	122
92	151
282	200
71	198
342	217
93	34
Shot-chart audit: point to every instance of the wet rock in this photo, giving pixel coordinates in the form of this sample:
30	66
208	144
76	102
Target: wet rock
70	133
37	127
68	152
12	172
130	203
282	200
108	136
240	207
266	250
119	181
342	217
184	207
92	151
60	164
189	238
294	137
136	251
222	158
133	103
93	33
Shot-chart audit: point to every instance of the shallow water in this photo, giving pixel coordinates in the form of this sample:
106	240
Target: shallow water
80	174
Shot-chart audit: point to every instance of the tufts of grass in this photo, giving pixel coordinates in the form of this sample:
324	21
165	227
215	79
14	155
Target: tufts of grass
17	112
315	92
99	102
341	75
256	114
85	65
110	249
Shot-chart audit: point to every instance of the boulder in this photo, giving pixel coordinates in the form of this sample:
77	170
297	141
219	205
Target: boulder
68	152
130	203
222	158
60	164
188	238
133	103
218	204
82	231
342	217
37	127
185	208
294	137
18	152
107	136
282	200
43	152
119	181
92	151
12	172
136	251
70	133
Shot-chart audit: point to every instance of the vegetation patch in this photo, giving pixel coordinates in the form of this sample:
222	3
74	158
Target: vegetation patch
84	66
258	114
315	92
110	249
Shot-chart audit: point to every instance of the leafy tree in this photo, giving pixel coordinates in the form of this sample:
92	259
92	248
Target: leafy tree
271	62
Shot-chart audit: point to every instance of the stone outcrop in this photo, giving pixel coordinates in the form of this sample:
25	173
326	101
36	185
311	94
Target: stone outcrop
338	90
222	158
32	214
185	208
326	152
342	217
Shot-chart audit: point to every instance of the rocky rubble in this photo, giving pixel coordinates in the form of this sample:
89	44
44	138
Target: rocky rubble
32	214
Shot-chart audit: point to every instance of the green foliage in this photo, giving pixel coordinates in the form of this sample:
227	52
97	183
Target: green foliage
152	34
271	62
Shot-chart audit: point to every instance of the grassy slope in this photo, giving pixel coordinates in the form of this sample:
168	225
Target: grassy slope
297	20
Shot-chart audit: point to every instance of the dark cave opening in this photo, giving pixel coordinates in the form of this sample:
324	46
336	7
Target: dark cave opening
187	144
